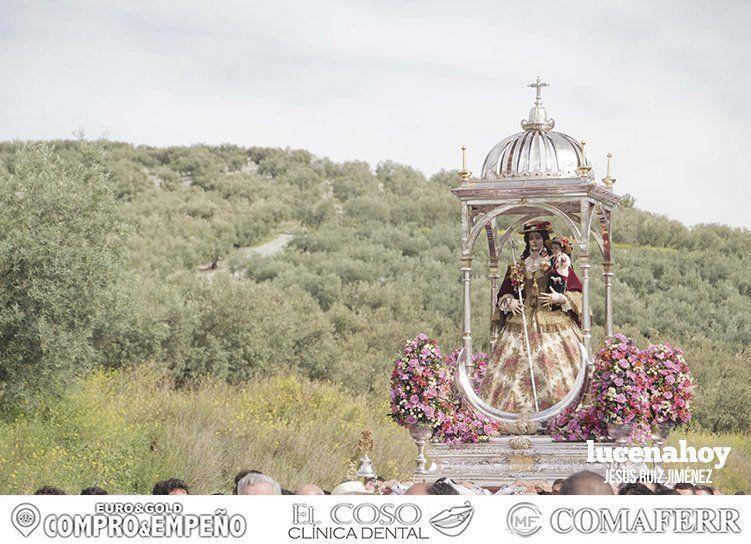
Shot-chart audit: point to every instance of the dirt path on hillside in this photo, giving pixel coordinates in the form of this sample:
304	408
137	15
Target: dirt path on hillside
269	248
243	253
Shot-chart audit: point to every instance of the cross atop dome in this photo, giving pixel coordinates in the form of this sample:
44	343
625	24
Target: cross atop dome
539	84
538	116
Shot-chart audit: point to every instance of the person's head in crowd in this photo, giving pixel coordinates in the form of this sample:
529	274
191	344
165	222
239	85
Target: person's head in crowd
556	487
700	489
420	488
652	486
351	487
664	490
308	489
739	493
635	488
392	487
585	483
258	484
286	491
93	490
49	490
684	489
173	486
240	475
442	488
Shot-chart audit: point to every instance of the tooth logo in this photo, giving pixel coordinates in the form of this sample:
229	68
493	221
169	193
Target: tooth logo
453	521
25	518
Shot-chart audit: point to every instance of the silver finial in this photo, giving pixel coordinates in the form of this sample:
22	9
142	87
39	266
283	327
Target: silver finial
538	117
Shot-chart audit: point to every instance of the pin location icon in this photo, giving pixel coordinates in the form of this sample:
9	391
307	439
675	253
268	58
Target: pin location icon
25	518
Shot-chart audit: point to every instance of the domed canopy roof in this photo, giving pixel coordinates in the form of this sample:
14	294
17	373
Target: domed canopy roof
537	152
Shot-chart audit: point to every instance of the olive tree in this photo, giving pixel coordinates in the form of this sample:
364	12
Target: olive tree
60	242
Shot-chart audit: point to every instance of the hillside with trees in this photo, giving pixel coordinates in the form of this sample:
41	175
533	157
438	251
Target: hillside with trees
117	258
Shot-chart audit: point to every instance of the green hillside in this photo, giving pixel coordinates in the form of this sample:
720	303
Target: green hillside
118	256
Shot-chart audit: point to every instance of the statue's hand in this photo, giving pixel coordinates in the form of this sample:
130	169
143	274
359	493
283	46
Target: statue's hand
548	299
515	306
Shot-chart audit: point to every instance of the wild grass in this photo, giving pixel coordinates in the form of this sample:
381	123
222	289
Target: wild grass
125	430
736	474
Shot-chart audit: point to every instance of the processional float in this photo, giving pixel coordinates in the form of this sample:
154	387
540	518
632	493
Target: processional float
533	174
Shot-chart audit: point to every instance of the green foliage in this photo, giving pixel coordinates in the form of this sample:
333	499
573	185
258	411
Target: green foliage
374	259
196	327
627	201
59	262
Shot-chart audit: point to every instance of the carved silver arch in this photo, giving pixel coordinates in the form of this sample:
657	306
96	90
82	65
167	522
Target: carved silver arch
480	225
572	398
495	212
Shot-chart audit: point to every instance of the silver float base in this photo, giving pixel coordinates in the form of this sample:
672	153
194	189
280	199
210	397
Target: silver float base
507	459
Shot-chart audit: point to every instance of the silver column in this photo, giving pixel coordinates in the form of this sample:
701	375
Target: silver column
608	275
467	322
584	266
586	318
494	277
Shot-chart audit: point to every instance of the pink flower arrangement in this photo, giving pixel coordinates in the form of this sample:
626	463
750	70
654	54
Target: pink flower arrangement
630	386
421	384
479	359
422	392
620	382
464	425
671	388
573	425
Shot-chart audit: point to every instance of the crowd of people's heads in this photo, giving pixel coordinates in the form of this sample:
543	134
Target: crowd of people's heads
254	482
589	483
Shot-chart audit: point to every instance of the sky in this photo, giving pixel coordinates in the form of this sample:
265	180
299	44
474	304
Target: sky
662	85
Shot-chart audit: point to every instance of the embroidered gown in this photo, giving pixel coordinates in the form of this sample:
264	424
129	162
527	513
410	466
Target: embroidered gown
554	337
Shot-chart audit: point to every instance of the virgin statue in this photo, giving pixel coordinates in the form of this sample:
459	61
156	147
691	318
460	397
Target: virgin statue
542	293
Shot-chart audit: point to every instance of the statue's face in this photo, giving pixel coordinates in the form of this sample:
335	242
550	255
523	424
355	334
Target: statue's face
535	242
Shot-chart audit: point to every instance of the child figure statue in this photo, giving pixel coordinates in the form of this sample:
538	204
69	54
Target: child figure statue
560	263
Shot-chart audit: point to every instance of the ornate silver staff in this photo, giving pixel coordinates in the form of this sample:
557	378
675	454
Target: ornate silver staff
526	332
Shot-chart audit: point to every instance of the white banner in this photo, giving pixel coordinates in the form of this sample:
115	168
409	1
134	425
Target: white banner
430	519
